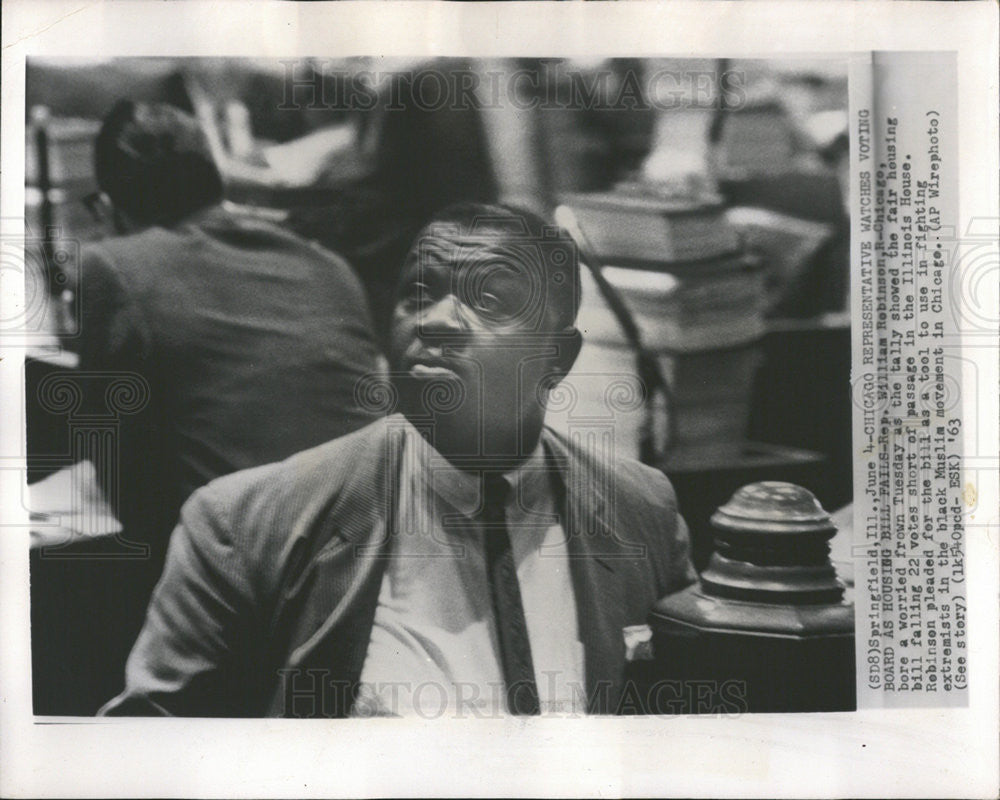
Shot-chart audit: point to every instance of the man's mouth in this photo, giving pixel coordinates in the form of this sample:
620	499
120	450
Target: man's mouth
431	365
422	369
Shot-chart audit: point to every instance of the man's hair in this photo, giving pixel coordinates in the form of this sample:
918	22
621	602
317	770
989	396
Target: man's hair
153	161
513	224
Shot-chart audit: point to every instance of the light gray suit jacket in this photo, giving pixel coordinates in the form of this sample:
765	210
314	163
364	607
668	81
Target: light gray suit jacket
266	604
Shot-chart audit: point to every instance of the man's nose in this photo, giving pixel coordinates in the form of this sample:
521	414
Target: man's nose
443	317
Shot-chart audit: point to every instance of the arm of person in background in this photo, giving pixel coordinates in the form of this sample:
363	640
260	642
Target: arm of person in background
318	158
112	333
111	339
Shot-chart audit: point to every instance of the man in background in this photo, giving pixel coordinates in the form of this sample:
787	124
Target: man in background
250	340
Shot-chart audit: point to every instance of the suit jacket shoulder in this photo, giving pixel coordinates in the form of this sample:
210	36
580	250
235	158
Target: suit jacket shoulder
661	529
113	331
280	515
639	506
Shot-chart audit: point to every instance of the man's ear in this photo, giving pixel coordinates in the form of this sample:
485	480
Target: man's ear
570	342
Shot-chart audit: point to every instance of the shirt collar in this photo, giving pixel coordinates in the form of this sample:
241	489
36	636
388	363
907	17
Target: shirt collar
529	482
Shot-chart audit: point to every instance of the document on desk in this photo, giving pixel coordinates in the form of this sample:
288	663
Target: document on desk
69	505
785	220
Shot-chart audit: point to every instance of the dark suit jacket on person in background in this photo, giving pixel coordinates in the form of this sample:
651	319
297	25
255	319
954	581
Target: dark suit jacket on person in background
266	605
251	341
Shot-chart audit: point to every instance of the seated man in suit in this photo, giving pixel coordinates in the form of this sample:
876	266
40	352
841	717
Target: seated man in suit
249	339
456	557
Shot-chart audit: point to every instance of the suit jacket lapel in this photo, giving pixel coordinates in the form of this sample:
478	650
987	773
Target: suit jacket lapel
582	497
331	607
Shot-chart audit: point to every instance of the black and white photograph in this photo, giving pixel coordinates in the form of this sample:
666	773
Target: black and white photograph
314	314
398	398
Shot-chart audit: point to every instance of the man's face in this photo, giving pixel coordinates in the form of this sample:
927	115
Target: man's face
486	318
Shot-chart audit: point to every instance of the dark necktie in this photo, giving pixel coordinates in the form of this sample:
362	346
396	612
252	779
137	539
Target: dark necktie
505	592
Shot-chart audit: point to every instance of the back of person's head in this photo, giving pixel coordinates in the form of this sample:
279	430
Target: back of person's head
154	163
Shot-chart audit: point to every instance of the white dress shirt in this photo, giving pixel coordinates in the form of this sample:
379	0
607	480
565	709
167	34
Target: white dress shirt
433	647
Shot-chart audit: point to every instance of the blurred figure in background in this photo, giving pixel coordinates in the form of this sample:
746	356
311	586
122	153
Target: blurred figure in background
421	160
250	338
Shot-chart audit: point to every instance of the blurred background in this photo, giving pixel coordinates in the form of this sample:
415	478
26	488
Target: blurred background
710	194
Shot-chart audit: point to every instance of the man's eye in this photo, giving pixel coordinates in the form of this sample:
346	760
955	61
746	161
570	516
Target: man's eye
488	303
416	294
